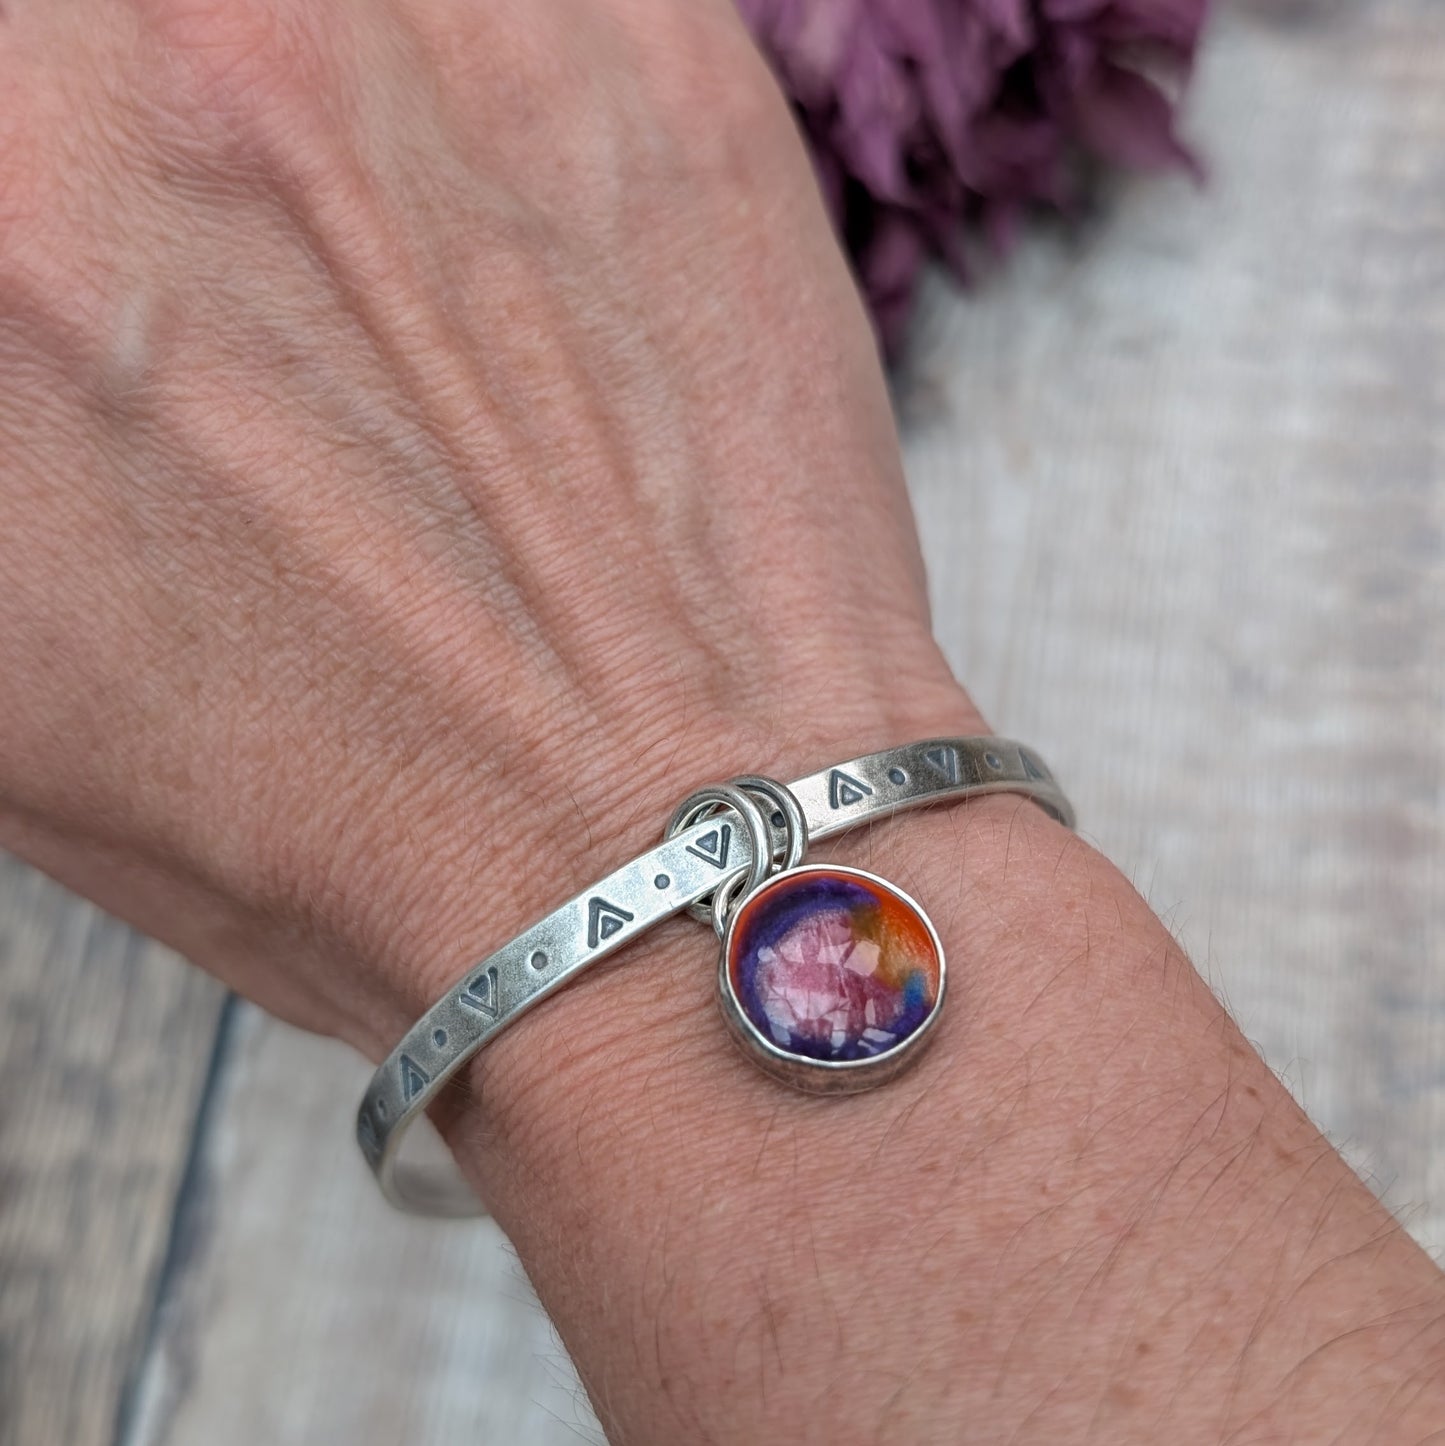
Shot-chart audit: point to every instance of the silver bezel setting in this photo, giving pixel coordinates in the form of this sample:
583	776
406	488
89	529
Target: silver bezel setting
821	1076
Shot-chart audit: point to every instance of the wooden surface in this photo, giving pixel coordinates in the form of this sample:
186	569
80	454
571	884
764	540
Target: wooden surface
105	1042
1181	478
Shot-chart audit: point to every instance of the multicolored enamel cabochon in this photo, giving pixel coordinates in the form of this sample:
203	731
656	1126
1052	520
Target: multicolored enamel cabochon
830	977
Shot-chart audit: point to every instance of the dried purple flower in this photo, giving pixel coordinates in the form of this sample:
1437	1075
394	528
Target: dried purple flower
928	117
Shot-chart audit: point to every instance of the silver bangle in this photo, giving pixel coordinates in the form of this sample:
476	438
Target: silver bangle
762	903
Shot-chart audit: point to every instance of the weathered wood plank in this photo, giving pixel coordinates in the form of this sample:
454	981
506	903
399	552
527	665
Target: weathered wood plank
310	1311
1183	480
104	1041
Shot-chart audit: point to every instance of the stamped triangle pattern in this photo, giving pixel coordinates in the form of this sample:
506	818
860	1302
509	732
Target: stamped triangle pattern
943	760
604	920
844	789
1032	766
414	1079
713	847
481	993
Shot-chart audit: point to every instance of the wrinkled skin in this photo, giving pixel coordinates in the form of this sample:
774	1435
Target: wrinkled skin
431	441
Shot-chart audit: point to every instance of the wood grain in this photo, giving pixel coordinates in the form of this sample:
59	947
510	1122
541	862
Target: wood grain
104	1044
1182	475
313	1312
1181	478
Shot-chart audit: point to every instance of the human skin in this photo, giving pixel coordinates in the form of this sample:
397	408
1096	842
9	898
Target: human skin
434	438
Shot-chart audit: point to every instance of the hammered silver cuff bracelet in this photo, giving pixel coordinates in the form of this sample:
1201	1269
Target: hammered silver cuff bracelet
829	978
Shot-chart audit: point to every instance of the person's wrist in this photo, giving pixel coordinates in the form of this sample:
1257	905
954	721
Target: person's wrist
646	1025
570	806
653	1180
1088	1156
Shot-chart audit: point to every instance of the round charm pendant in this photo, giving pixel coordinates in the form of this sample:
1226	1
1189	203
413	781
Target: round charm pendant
831	979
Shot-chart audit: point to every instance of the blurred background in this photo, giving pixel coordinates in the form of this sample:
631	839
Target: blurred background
1180	473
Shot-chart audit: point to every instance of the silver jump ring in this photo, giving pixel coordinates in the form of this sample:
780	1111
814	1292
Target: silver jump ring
793	821
725	795
788	816
723	899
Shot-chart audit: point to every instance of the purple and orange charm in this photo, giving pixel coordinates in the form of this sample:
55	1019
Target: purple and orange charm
830	978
